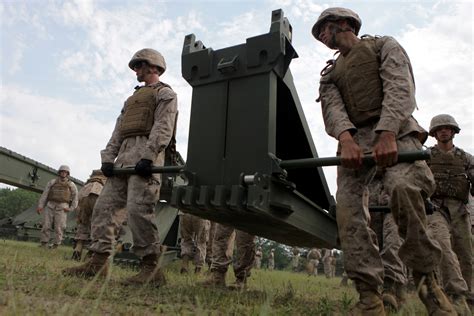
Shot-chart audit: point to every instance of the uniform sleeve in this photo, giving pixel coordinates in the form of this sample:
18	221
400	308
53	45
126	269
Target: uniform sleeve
74	196
335	115
113	146
44	196
163	126
470	171
398	86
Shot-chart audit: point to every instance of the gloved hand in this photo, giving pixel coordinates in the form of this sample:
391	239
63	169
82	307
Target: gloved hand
107	169
143	167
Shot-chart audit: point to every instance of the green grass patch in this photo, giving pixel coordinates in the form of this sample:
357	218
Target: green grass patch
31	284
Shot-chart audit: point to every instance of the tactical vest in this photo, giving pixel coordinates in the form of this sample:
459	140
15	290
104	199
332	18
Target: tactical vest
60	192
449	170
138	117
357	78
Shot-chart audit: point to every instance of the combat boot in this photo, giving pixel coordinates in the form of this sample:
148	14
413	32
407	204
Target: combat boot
98	264
460	305
393	295
239	284
150	273
215	279
184	264
43	245
197	270
431	294
370	303
76	255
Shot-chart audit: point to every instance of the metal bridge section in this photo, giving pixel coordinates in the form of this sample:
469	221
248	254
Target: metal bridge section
26	173
245	113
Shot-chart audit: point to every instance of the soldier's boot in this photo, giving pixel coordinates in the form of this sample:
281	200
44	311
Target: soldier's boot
215	279
43	245
239	284
77	253
150	273
197	270
370	304
98	264
431	294
184	264
460	305
54	246
392	295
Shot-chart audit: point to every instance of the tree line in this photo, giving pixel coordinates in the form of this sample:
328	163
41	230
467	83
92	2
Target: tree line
15	201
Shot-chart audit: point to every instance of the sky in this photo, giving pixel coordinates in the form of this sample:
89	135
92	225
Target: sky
64	64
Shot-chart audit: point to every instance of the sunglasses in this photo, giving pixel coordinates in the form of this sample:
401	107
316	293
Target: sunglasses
139	64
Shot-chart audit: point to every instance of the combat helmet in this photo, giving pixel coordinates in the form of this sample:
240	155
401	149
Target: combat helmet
335	14
151	56
443	120
64	168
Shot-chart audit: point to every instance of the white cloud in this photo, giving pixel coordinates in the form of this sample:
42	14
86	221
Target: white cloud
441	54
52	131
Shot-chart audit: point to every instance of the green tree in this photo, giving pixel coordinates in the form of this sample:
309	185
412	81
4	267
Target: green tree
15	201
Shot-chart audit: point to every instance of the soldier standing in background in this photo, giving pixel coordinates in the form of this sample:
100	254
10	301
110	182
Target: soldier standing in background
58	198
333	265
143	131
367	97
221	258
314	255
258	258
383	224
87	197
295	260
194	233
210	241
327	262
271	260
453	170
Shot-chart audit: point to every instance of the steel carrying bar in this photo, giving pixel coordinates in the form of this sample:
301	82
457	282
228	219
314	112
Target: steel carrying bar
296	163
154	169
336	161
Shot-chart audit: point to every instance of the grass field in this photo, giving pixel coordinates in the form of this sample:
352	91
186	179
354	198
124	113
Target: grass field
31	284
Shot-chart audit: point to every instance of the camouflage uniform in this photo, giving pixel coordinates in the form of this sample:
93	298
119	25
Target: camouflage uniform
53	211
295	260
258	258
395	275
194	233
327	263
407	183
136	194
450	224
245	250
210	242
87	198
314	255
271	261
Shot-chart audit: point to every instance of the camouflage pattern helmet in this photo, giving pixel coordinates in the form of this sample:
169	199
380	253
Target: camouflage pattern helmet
443	120
64	168
151	56
335	14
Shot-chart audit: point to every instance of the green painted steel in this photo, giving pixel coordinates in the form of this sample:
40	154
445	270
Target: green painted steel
26	173
245	111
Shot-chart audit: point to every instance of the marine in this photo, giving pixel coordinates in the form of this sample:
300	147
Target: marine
367	97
